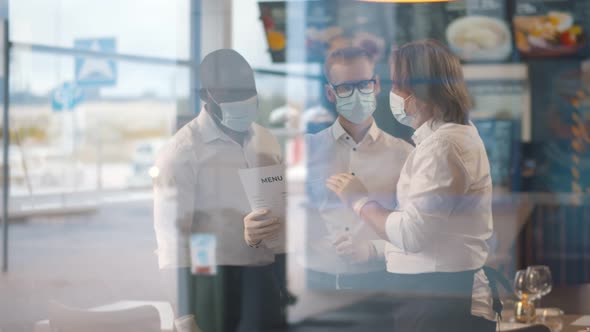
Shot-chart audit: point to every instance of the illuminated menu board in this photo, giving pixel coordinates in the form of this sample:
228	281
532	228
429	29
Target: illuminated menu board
500	138
476	30
561	115
331	25
274	20
501	112
551	28
328	25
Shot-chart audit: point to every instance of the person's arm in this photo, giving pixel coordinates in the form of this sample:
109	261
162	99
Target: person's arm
379	246
438	180
173	210
354	194
259	225
355	252
376	216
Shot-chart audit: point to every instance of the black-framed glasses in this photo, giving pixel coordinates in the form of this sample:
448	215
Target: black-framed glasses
347	89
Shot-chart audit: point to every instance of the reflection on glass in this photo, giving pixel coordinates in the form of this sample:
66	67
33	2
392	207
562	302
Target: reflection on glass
525	309
539	280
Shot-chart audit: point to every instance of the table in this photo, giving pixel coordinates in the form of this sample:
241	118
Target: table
567	324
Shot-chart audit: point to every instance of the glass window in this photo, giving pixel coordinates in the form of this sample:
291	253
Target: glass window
158	28
106	139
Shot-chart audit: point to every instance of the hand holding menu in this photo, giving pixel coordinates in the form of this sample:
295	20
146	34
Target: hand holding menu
266	188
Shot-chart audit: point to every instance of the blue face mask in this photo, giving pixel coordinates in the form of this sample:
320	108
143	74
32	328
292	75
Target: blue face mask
239	116
397	105
357	108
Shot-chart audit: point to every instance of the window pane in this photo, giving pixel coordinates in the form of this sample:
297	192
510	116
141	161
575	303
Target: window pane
148	27
108	140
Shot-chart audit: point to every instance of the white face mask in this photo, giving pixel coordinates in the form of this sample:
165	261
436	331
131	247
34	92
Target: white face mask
238	116
397	106
356	108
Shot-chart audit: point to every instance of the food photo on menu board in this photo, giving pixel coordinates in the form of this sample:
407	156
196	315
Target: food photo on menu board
475	30
331	25
551	28
479	38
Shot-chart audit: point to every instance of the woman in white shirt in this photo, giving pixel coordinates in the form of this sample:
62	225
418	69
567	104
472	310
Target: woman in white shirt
437	235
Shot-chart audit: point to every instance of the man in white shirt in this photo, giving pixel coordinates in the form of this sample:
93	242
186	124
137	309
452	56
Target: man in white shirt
342	251
198	192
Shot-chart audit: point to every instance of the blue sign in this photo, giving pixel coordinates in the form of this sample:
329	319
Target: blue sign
66	97
93	71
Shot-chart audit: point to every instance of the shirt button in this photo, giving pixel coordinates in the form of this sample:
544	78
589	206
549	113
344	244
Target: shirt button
346	229
353	149
347	137
352	173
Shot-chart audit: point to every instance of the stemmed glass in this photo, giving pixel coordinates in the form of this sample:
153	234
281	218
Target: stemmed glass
539	281
530	285
521	290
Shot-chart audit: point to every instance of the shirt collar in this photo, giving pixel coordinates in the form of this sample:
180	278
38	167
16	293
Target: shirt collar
425	130
209	129
338	132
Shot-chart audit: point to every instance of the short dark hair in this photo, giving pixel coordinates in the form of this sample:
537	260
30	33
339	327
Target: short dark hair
225	74
428	70
345	55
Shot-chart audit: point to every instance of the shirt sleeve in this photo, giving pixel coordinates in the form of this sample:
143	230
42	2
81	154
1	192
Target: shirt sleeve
264	149
438	180
173	210
379	247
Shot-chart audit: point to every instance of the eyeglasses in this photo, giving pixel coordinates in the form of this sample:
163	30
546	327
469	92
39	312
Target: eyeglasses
347	89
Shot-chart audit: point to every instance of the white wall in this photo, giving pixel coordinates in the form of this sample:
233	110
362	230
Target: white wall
216	25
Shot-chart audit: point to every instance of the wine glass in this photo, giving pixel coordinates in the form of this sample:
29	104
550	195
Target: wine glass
520	286
521	290
538	280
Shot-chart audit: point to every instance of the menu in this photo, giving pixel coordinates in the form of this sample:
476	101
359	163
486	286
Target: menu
551	28
266	188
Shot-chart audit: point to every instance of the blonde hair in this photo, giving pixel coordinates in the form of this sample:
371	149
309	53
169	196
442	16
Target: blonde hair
428	70
345	55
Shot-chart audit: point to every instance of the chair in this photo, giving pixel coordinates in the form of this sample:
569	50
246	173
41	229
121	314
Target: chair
139	319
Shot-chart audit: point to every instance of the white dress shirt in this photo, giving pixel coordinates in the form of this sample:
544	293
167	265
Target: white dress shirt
198	190
444	215
377	160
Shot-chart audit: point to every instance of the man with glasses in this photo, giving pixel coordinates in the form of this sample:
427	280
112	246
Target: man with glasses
342	252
